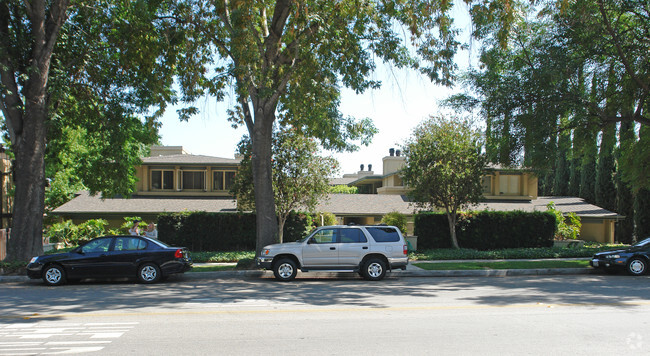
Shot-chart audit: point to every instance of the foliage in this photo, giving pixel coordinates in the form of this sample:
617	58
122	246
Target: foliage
300	175
69	234
444	167
223	256
395	218
565	230
202	231
83	84
286	62
343	189
487	230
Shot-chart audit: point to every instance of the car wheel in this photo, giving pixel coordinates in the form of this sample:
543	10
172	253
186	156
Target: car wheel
54	275
374	269
637	266
149	273
285	269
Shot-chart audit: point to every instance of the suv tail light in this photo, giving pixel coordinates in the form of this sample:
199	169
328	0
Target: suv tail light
406	249
178	253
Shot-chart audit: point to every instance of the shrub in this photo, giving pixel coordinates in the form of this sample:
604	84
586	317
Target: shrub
487	230
202	231
564	230
395	218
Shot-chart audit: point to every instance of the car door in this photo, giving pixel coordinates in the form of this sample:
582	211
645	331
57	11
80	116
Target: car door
127	252
353	245
92	260
321	249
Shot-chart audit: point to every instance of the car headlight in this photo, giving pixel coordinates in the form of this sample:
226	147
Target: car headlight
613	257
33	259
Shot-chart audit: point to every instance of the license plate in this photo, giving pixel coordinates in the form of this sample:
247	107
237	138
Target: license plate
594	263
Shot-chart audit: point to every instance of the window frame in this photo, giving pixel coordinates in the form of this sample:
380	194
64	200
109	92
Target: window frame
162	179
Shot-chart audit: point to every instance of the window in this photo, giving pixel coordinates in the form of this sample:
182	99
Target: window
99	245
383	234
351	236
193	180
129	244
222	180
162	179
324	236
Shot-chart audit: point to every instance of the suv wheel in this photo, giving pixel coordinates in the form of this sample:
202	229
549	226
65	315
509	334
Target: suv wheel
374	269
285	269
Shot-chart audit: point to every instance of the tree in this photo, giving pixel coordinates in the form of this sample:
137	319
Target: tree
444	167
300	175
286	61
100	70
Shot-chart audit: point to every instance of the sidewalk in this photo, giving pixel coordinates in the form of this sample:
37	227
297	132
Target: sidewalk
411	271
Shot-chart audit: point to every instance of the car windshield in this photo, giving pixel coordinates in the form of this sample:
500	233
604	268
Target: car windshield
643	242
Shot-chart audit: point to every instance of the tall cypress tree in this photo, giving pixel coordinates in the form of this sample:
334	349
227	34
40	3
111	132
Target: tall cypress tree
605	187
624	197
562	166
574	171
642	197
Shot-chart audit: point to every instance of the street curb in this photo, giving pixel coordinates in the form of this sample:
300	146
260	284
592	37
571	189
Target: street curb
395	274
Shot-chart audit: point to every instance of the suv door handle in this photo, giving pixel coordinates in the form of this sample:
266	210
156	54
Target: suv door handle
332	248
365	247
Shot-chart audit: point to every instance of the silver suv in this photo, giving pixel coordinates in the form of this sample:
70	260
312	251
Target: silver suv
368	250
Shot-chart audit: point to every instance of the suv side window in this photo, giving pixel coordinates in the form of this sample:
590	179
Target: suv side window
326	236
351	236
383	234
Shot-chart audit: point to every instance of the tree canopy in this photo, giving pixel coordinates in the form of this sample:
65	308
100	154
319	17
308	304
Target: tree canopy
286	61
82	86
444	166
300	175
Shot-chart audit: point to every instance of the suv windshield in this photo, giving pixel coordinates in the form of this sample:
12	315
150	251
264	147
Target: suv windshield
383	234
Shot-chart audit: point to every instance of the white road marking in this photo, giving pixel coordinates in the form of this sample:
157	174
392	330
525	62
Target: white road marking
11	337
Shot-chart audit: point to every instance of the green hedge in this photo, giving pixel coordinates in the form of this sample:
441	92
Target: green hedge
201	231
487	230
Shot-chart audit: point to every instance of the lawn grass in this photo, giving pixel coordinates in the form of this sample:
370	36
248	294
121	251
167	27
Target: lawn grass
468	265
212	268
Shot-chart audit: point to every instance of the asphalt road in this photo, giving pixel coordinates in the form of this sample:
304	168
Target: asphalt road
520	315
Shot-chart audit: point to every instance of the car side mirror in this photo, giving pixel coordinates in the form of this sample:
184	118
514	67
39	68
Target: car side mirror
311	241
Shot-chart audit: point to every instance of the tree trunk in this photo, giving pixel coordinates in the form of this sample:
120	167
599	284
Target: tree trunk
451	218
26	238
281	221
267	223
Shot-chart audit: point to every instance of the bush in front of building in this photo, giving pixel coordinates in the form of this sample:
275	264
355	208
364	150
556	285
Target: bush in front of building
487	230
201	231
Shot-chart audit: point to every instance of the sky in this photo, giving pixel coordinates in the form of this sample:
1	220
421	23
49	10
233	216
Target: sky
403	101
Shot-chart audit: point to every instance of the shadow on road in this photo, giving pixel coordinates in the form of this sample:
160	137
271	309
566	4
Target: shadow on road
19	301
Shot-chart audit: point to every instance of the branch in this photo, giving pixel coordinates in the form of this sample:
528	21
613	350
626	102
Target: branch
621	54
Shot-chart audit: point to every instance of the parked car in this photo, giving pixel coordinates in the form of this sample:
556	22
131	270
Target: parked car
634	259
138	257
368	250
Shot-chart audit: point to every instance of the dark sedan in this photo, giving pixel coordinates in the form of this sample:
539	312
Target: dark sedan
634	259
138	257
